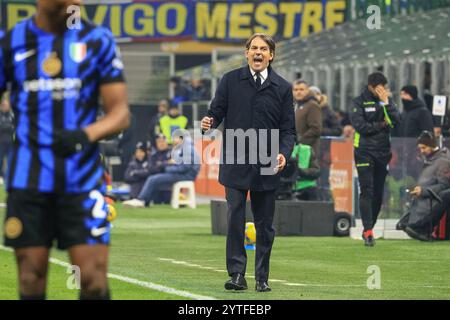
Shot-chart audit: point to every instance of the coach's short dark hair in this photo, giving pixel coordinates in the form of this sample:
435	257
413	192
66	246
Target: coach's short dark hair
300	81
267	39
376	79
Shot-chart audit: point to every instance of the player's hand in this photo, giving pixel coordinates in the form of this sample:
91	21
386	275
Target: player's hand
206	123
382	93
69	142
281	163
416	191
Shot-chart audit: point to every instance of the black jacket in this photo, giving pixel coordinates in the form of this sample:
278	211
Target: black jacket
241	105
415	119
330	121
372	133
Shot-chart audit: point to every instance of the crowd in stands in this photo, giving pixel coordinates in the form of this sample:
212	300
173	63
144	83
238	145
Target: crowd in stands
195	89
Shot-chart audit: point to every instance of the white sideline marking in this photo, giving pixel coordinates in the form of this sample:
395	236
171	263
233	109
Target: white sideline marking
145	284
185	263
321	285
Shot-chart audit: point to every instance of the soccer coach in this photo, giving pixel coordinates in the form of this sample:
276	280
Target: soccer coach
253	98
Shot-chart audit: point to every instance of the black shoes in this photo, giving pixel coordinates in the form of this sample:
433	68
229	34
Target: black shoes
237	282
262	286
369	240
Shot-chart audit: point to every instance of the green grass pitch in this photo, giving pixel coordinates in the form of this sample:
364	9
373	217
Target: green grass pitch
175	249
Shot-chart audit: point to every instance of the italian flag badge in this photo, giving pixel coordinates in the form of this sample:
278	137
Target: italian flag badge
78	51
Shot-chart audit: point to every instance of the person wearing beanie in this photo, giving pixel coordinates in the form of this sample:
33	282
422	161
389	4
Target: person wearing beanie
415	117
434	179
330	121
137	170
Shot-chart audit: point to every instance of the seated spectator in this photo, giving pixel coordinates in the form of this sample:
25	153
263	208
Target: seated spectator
183	166
425	208
308	172
172	122
330	121
145	164
138	170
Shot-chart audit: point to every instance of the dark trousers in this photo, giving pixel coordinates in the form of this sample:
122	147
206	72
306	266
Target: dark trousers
263	208
372	171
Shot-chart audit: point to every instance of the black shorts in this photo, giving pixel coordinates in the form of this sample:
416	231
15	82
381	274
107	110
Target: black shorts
37	219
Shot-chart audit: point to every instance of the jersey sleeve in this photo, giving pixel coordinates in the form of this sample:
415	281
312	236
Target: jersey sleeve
110	65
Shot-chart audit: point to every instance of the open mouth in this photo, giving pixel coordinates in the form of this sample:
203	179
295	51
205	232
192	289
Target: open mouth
258	59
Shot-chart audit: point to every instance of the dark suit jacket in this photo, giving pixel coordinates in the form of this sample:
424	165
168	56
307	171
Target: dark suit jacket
241	105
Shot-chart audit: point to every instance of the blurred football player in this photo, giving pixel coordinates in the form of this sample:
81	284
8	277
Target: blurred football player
54	182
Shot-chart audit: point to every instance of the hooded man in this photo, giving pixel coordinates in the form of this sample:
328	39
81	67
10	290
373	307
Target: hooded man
415	117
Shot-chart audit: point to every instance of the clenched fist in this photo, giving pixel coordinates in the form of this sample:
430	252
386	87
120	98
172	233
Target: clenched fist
206	123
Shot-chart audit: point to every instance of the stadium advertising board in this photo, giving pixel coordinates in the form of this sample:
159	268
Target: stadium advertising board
200	20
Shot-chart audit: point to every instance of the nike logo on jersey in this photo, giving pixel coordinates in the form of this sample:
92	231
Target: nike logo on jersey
97	232
24	55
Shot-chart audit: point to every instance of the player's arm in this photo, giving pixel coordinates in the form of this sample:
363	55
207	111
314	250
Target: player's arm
117	114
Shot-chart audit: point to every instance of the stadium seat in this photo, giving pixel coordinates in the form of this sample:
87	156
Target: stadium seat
190	198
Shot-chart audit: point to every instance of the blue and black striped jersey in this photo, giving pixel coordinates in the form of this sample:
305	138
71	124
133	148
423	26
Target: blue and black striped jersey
54	84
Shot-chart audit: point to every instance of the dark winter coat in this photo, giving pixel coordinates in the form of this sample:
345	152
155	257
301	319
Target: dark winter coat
240	105
416	118
330	121
308	122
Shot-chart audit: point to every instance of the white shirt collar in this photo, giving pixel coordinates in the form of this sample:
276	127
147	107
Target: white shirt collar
263	74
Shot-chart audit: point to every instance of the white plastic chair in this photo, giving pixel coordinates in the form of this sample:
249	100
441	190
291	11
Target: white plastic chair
190	197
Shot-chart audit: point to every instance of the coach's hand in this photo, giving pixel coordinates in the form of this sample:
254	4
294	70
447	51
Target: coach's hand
281	163
68	142
206	123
